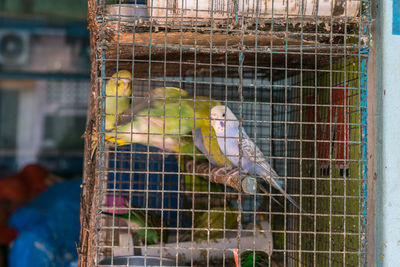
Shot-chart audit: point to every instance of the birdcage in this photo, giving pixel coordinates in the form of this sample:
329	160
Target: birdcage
226	133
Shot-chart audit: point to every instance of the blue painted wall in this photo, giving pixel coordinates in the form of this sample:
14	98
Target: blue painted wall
387	246
396	17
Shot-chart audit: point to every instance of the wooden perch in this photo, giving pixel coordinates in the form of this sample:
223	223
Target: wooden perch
221	175
204	39
180	51
176	53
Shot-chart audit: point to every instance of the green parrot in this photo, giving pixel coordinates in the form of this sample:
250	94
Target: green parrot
136	222
165	122
216	221
251	259
118	97
206	141
117	101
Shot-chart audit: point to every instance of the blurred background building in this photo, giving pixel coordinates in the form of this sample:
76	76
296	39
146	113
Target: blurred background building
44	87
44	84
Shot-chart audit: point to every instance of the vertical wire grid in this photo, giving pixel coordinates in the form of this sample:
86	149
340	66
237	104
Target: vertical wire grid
294	75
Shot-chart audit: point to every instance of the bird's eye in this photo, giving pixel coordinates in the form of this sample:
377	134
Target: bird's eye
223	114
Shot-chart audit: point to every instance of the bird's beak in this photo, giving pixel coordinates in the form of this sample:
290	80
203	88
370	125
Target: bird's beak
126	81
125	85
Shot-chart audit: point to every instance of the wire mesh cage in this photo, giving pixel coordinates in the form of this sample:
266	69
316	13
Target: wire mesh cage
227	133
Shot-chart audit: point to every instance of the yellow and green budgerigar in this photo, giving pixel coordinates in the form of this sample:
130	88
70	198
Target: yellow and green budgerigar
165	121
205	140
117	97
172	121
213	219
117	100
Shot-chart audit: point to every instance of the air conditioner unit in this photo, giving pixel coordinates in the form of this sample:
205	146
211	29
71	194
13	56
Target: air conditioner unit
14	48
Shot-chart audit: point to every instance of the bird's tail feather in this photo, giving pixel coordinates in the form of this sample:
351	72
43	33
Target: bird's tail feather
274	182
117	215
262	188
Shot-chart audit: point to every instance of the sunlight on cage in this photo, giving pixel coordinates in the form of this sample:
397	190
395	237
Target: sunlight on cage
295	77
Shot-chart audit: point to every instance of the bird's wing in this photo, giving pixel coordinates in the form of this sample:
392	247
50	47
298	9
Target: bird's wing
137	105
153	220
251	151
142	103
198	142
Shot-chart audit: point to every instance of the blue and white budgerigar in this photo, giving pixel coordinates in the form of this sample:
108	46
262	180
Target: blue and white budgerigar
236	147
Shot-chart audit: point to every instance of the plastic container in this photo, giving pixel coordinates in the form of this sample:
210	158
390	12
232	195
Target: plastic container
249	8
128	12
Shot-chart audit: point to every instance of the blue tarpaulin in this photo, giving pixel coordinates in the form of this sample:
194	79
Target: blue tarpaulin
162	188
48	228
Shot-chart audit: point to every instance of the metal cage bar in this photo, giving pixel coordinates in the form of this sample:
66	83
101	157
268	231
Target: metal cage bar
168	74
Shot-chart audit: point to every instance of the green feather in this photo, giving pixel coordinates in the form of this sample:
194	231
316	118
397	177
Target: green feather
216	219
136	222
165	122
251	259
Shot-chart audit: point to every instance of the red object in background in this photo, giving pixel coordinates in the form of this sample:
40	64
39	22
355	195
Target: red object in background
7	234
12	188
17	190
340	130
321	123
34	177
309	130
323	137
341	126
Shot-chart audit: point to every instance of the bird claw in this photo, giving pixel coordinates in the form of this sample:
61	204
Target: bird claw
189	166
235	172
220	171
